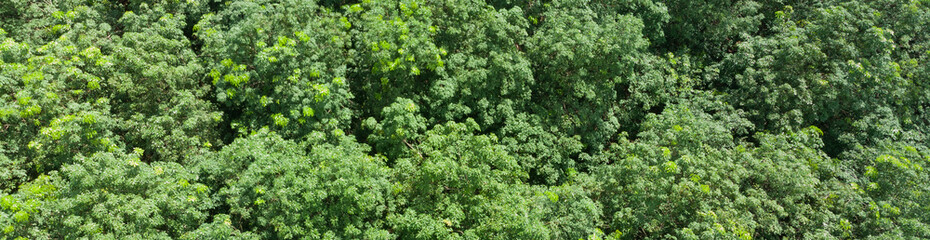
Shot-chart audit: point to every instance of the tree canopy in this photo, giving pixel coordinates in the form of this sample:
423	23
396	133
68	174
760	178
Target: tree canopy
465	119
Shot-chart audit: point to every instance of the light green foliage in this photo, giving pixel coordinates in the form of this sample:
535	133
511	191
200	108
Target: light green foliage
401	126
486	75
20	212
282	192
110	195
395	50
71	96
687	177
117	195
46	118
464	119
568	210
290	75
891	199
583	61
460	185
220	228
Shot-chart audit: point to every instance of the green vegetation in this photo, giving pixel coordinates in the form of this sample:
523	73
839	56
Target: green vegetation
464	119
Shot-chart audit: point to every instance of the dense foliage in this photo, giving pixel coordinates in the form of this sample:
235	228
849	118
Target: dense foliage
464	119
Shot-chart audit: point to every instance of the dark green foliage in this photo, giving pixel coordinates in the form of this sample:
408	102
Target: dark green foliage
464	119
830	70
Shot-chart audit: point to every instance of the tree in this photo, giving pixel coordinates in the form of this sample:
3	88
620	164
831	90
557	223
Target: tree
289	76
110	195
276	190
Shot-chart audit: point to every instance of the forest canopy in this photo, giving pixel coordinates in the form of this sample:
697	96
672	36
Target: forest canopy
464	119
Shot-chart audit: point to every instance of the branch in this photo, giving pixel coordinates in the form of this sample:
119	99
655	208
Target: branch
413	148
